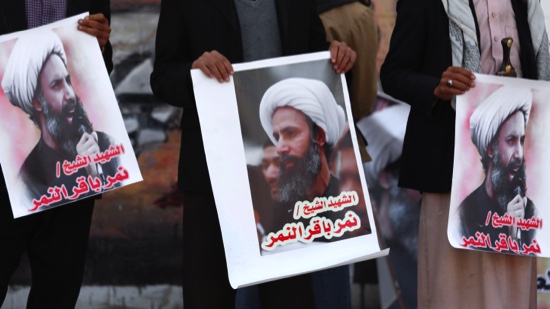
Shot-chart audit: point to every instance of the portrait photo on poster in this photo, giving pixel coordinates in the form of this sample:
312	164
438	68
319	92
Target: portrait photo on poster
301	164
284	166
500	170
64	137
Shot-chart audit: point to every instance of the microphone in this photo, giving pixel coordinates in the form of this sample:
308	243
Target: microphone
80	123
518	183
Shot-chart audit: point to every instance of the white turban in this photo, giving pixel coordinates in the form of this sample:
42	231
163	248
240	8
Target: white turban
385	131
491	113
29	54
312	97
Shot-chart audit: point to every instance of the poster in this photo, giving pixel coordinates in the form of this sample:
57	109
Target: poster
284	166
397	209
501	169
63	137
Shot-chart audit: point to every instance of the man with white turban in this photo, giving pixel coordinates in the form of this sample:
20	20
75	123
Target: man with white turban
55	240
37	81
497	128
21	75
436	48
304	121
211	36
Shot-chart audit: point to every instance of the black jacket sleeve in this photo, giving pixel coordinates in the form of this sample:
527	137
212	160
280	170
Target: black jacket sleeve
171	78
104	7
406	73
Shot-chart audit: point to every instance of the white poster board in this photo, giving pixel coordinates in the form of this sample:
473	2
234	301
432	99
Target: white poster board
501	168
55	96
319	232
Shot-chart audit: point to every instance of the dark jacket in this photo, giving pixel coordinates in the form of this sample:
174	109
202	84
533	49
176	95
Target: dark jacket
420	51
187	29
38	172
325	5
13	18
473	216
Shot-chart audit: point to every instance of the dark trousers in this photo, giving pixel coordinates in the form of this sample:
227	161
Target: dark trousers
289	293
205	280
56	241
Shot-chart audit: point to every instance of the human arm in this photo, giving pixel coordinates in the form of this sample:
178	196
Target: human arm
214	64
516	208
317	34
419	54
98	26
97	9
88	146
188	33
454	81
171	77
342	56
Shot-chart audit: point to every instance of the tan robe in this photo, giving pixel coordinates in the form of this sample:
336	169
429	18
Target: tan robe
456	278
354	24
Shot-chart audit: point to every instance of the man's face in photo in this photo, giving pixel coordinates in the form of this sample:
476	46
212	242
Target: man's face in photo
508	172
511	138
63	111
291	131
348	171
299	157
270	169
56	88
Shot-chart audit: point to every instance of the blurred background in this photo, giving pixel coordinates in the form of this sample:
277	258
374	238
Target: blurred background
135	249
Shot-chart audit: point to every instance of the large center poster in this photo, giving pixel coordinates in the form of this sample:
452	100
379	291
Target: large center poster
501	170
285	168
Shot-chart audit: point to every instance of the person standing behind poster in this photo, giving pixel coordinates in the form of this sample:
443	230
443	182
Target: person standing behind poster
55	240
264	187
435	47
353	21
210	35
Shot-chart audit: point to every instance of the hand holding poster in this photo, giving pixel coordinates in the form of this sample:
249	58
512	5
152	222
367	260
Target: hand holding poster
500	169
63	135
284	166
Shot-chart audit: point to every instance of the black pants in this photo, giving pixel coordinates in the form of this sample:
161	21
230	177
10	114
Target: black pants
205	280
56	241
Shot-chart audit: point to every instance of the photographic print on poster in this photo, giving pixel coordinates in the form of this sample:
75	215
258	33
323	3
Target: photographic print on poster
500	170
226	154
301	164
64	137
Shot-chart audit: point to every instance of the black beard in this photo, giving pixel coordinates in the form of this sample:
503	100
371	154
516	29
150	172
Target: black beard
505	190
66	135
296	182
